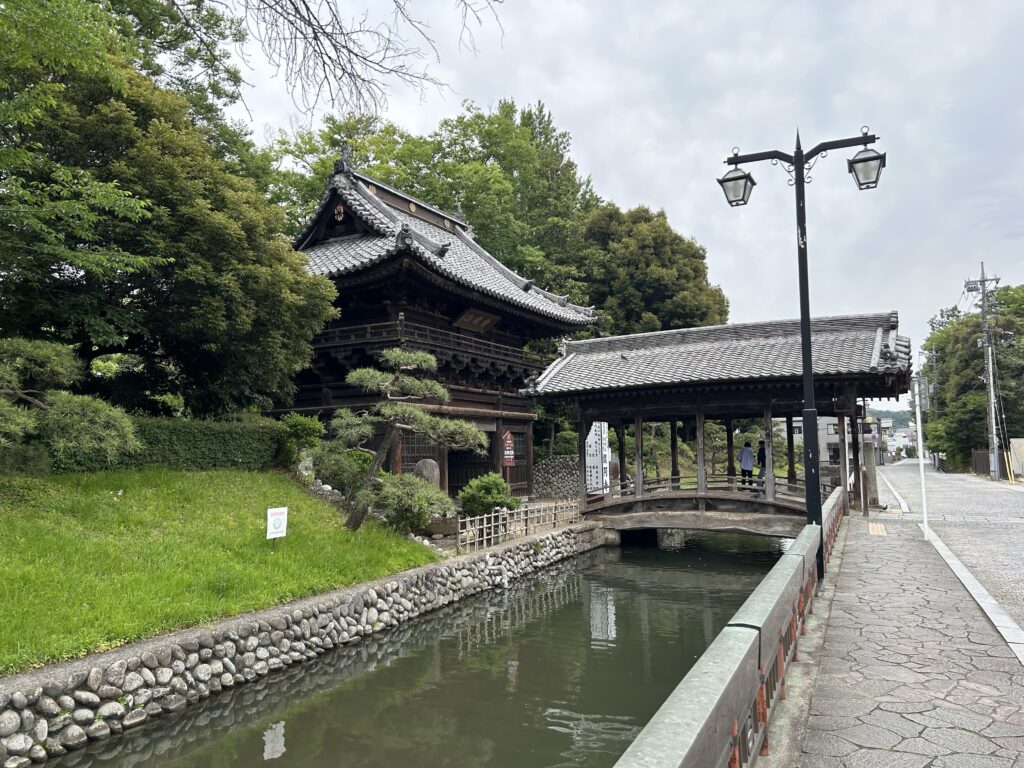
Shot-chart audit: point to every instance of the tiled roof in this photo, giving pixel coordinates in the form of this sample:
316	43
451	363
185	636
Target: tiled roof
852	344
451	253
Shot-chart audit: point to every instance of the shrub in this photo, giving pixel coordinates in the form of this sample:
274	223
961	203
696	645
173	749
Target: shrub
482	494
345	471
83	432
408	502
566	443
303	432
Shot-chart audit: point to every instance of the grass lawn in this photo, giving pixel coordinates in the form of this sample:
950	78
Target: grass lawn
90	561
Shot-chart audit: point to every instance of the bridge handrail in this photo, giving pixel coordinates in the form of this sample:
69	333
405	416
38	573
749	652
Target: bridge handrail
719	714
717	482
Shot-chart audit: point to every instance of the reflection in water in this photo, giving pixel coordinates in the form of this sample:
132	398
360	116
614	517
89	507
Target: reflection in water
561	669
602	616
273	741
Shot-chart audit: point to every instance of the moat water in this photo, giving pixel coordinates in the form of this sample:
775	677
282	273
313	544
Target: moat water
562	669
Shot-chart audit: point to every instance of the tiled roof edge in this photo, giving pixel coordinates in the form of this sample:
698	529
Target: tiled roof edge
732	332
419	203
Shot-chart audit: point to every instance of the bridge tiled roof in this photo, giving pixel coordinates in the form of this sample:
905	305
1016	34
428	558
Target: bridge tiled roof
849	345
450	252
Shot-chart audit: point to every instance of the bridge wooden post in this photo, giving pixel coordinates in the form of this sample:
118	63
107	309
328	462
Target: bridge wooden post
674	440
857	485
790	452
769	469
730	454
584	429
620	430
638	440
702	475
844	461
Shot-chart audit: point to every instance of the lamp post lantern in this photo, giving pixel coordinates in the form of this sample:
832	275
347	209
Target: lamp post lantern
866	168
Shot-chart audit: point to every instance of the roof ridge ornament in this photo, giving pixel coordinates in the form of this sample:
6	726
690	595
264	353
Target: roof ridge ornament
344	163
404	237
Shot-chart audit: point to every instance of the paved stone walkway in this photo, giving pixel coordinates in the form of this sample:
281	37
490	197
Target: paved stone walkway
912	674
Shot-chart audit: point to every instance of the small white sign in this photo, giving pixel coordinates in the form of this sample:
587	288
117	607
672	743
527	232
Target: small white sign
277	522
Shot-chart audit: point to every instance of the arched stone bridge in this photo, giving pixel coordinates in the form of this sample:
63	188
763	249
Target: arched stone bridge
719	505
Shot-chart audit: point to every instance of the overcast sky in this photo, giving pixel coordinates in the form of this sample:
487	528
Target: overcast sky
655	94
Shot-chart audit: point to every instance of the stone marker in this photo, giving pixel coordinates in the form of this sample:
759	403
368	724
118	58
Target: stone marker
429	471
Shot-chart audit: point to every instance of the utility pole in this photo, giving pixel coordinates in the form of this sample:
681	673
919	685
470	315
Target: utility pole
981	286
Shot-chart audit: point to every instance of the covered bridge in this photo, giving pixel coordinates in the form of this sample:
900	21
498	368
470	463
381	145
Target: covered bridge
725	372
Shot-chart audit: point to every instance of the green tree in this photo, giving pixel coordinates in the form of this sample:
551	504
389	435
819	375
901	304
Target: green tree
400	384
644	275
51	214
35	406
956	419
224	312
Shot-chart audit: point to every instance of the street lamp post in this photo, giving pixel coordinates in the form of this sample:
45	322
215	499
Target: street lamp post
866	168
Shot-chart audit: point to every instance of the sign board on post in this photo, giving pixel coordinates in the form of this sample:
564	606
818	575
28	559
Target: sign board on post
598	454
509	450
277	522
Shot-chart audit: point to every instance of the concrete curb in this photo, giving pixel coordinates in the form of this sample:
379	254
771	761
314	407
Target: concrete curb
1004	624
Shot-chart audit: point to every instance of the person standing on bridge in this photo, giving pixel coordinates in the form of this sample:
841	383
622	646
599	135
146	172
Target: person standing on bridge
746	458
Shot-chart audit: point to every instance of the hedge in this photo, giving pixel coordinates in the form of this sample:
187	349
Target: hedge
198	444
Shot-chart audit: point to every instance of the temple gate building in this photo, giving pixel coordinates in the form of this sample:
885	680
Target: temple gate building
410	275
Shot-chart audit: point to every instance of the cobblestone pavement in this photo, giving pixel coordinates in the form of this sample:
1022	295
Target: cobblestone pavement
912	674
980	521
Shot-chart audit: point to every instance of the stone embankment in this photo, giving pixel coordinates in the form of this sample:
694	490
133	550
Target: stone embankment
48	712
211	719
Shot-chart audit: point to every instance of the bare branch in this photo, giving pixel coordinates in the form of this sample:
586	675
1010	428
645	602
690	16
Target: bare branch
347	63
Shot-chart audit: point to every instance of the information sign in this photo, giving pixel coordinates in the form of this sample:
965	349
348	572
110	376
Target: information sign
277	522
509	450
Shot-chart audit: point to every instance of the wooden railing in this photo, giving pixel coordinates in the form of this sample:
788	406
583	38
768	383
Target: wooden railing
790	490
399	331
506	525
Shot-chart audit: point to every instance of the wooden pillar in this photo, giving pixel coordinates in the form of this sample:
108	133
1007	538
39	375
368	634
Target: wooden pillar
674	441
529	458
790	452
621	430
857	484
638	439
844	460
730	451
498	448
442	466
702	474
769	469
584	427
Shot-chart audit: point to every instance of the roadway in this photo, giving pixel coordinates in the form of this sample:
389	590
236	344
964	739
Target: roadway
981	521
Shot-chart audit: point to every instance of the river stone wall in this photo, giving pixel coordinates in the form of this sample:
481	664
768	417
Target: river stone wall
194	729
59	709
557	477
